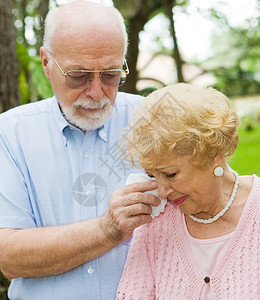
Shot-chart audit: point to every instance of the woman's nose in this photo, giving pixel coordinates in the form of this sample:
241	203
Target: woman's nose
164	189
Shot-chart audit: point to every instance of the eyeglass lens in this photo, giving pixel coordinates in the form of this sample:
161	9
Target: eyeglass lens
76	79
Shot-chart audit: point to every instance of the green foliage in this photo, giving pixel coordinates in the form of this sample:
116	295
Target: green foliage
40	82
32	81
28	21
29	16
182	3
23	56
249	122
24	88
147	91
246	159
235	81
24	60
235	63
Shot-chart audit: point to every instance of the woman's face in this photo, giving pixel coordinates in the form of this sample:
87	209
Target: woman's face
193	189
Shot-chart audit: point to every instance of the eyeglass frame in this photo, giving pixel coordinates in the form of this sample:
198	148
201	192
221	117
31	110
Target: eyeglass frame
94	71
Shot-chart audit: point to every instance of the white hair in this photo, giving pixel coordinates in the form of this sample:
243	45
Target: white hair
52	20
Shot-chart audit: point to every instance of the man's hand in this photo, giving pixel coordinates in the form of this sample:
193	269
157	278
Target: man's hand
129	208
45	251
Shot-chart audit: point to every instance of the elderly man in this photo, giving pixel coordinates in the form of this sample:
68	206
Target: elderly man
65	214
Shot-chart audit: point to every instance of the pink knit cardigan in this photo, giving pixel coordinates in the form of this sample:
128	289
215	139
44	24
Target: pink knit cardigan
160	264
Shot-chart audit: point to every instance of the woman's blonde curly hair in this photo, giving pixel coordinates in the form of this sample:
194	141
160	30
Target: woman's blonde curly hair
181	119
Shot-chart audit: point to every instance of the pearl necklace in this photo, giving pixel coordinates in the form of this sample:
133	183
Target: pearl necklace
220	214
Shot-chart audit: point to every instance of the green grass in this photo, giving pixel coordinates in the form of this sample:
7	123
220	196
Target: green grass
246	159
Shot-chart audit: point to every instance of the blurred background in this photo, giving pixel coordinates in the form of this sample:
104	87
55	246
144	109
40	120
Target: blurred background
205	42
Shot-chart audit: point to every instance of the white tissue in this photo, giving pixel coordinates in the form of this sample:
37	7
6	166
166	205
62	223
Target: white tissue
140	177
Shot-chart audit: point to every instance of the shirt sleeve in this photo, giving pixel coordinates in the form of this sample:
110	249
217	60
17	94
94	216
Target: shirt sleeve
15	208
137	282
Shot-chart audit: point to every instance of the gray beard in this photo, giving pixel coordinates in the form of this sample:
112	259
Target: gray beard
90	121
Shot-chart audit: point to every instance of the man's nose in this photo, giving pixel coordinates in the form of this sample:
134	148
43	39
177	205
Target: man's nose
95	89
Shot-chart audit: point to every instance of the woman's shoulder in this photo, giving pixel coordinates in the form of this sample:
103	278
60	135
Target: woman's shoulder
165	219
249	184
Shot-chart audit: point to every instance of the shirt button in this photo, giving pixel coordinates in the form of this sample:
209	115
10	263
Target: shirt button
207	279
90	271
88	192
86	155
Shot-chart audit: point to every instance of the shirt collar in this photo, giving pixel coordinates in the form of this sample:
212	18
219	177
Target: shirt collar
62	123
102	131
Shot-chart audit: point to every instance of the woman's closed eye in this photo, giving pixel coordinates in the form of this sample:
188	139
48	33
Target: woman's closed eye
171	175
150	175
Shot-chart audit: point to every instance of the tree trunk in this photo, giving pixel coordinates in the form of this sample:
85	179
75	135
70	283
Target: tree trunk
176	52
4	284
136	14
22	9
43	9
134	27
9	69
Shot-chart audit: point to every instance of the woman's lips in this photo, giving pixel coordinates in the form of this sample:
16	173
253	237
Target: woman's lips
180	200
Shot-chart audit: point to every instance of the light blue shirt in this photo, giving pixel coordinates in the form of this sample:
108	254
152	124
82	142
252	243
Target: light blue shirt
52	174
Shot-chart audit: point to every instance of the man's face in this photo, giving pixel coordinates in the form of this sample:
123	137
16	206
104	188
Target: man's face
90	105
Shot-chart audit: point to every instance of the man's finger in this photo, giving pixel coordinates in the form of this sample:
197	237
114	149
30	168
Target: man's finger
138	187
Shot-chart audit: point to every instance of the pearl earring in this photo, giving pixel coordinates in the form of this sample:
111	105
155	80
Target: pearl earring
218	171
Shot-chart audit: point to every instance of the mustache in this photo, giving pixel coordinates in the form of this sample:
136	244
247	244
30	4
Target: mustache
91	104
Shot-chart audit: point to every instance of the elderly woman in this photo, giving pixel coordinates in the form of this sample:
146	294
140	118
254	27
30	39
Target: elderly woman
206	244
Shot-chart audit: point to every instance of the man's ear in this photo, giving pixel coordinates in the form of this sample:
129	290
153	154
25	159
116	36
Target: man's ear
45	62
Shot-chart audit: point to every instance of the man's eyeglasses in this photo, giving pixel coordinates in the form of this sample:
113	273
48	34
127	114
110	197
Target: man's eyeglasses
77	79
